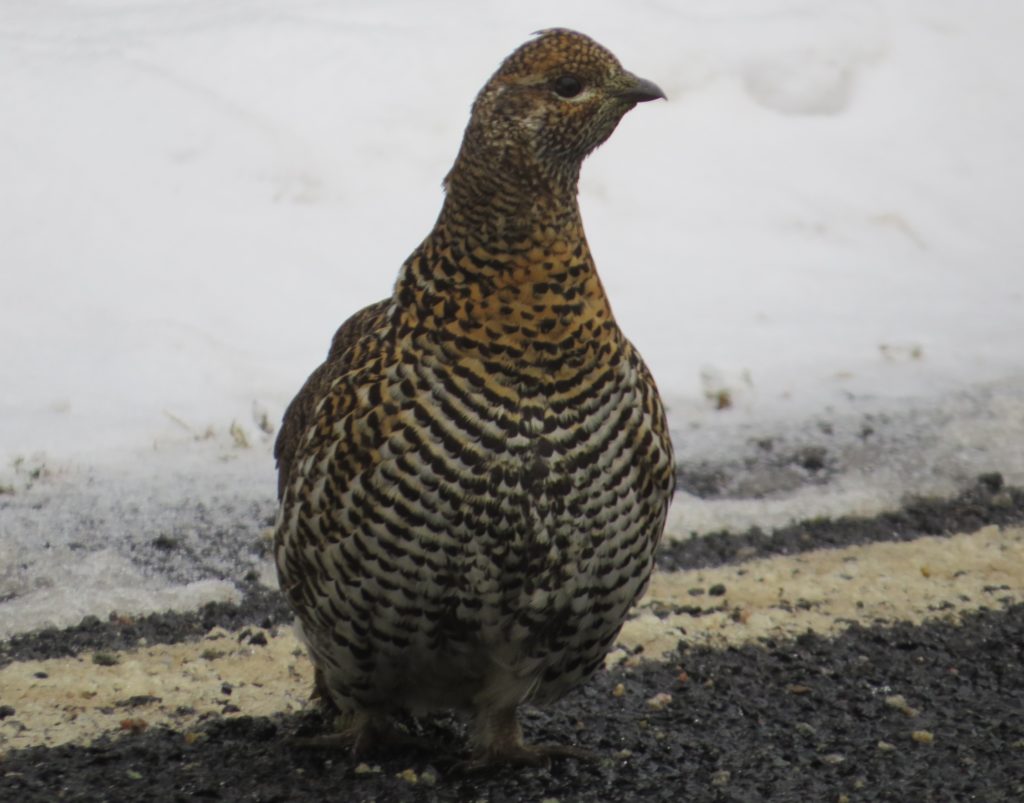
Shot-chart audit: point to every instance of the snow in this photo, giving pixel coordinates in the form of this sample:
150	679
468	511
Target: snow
822	219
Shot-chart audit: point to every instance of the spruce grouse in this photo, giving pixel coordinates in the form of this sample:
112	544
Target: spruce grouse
473	484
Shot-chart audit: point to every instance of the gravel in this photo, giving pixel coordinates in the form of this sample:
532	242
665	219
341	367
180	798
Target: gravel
894	713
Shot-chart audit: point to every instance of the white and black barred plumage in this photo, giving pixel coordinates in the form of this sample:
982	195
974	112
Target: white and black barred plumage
474	482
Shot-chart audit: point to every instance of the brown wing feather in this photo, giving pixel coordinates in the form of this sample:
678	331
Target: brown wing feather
299	415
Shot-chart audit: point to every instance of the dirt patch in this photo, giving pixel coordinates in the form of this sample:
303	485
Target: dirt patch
826	590
78	699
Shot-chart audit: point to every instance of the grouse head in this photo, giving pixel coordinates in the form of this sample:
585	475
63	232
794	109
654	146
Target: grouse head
550	104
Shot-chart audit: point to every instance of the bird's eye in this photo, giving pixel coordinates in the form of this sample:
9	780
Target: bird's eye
567	86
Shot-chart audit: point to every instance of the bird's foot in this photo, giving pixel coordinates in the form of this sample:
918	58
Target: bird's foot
498	740
362	734
321	696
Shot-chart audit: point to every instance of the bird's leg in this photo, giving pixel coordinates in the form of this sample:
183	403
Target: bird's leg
360	732
497	739
321	697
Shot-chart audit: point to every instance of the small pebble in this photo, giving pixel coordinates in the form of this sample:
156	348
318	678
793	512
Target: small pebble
923	737
805	730
720	778
833	758
362	768
105	659
885	747
619	690
409	776
899	702
717	590
659	701
135	700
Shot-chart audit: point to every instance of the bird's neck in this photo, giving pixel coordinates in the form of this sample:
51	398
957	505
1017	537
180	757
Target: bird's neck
507	271
498	191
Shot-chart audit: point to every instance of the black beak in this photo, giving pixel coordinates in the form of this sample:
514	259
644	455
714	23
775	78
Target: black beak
639	90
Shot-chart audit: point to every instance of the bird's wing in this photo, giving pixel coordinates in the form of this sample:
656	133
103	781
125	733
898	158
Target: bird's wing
299	415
